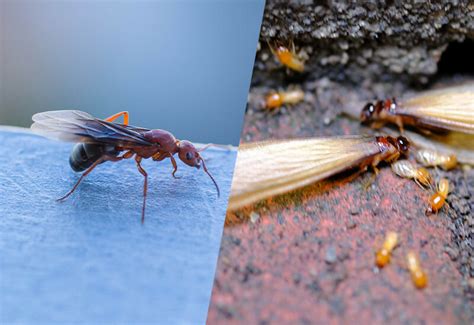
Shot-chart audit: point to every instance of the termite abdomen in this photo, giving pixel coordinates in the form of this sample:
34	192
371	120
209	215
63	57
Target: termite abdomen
83	155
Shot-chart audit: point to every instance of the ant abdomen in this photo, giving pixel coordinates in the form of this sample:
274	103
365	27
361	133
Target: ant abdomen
83	155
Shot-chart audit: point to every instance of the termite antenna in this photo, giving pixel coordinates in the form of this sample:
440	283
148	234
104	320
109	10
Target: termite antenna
212	178
270	46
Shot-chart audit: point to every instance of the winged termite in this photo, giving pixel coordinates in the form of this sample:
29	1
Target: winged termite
102	140
265	169
448	109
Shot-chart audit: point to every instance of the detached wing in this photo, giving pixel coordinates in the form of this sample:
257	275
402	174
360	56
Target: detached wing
265	169
77	126
450	108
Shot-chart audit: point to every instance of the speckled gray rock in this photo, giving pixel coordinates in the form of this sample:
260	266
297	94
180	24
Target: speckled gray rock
366	39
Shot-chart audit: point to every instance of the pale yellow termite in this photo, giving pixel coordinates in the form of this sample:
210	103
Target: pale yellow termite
431	158
289	97
404	168
418	276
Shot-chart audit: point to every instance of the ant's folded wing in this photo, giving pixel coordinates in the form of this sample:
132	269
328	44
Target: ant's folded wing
77	126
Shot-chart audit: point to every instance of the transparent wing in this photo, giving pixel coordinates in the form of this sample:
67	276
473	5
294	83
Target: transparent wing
450	108
265	169
77	126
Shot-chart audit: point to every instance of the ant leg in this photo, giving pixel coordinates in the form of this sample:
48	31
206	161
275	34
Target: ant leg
116	116
175	167
138	159
159	156
127	155
88	170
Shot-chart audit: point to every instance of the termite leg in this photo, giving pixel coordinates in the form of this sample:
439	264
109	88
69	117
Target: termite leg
116	116
97	162
373	177
271	48
175	167
275	111
138	159
292	46
418	183
399	123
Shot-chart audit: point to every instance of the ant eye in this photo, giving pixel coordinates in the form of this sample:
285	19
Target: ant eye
189	155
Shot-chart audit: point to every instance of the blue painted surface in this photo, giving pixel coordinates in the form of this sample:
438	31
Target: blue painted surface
89	259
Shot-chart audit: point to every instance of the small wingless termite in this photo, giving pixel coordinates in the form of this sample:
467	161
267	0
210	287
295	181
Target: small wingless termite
449	109
438	199
430	158
275	99
382	256
269	168
101	140
404	168
418	276
287	57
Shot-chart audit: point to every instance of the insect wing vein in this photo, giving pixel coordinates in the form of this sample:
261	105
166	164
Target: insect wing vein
270	168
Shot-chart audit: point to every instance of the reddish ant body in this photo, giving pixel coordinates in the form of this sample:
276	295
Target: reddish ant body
102	140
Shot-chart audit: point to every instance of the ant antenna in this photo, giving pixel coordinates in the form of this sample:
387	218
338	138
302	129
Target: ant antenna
212	178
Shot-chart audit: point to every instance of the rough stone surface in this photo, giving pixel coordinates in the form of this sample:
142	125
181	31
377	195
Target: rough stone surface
314	248
89	259
355	41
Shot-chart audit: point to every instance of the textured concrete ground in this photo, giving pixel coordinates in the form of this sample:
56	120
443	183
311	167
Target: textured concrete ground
308	256
89	259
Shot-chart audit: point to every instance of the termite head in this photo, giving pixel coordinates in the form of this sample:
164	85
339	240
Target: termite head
423	176
372	112
188	154
438	199
368	113
273	100
400	143
450	162
377	110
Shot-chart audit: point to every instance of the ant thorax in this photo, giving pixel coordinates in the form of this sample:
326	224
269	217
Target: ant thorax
164	139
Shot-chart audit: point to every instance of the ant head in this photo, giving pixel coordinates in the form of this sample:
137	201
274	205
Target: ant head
189	154
368	113
402	145
191	157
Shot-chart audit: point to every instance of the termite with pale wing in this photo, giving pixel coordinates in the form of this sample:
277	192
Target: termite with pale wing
441	110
